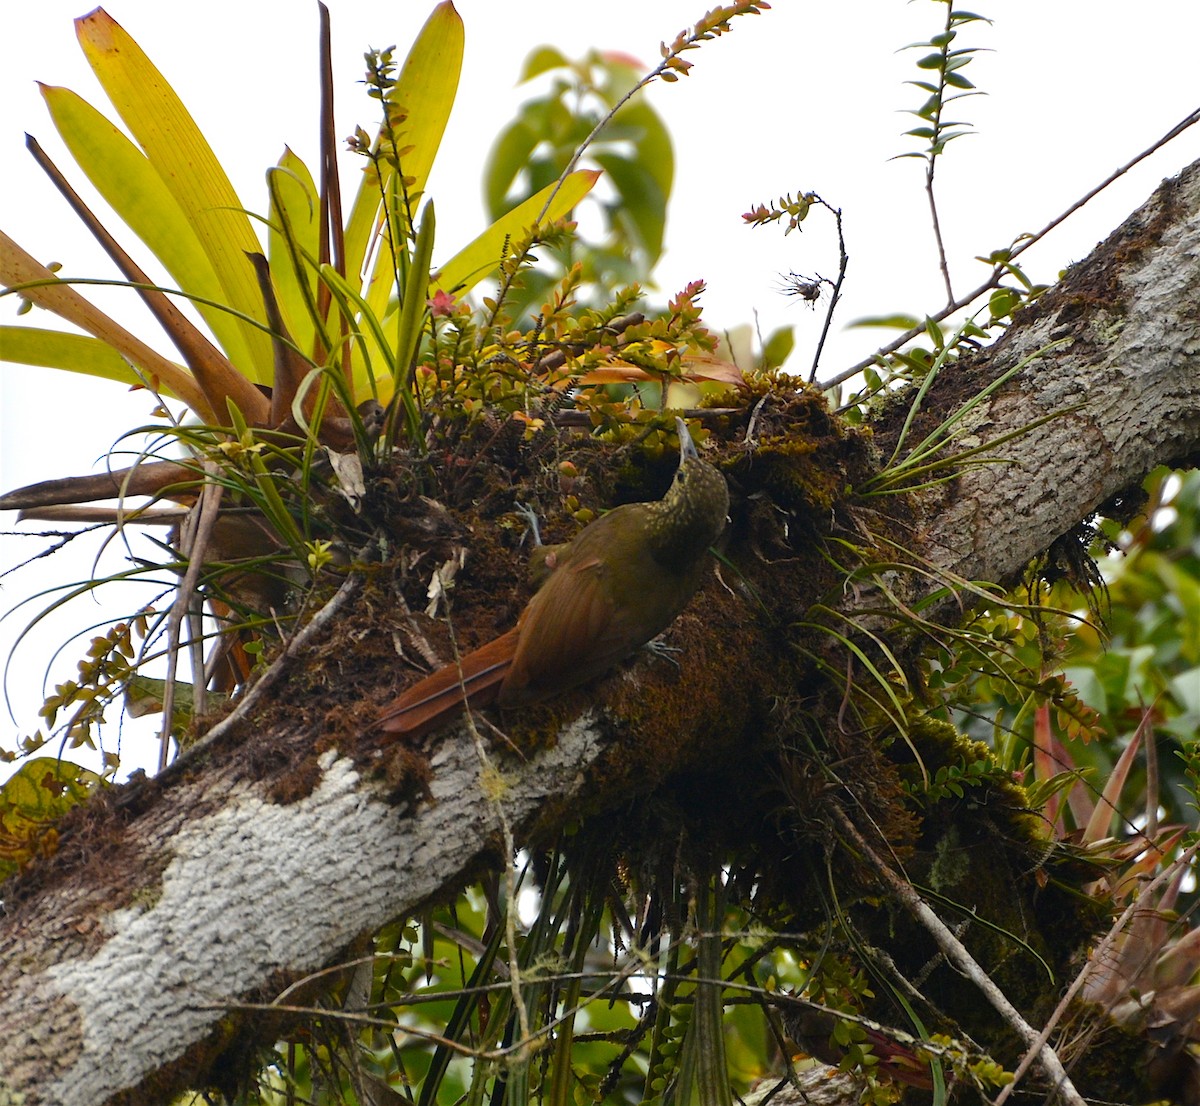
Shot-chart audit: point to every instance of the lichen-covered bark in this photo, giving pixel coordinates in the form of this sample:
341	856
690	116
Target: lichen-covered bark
172	902
1115	352
209	893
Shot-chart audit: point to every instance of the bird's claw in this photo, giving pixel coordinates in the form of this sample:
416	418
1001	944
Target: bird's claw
531	519
663	651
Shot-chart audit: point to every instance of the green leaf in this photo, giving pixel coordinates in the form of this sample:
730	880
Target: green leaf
508	157
135	190
1186	690
32	799
642	207
652	140
892	322
778	347
1002	302
187	165
412	309
1184	591
541	60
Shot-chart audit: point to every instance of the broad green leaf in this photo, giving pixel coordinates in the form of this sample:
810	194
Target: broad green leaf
470	265
543	59
187	165
778	346
294	212
1184	596
652	141
18	267
892	322
132	187
1186	689
642	204
425	88
509	156
32	799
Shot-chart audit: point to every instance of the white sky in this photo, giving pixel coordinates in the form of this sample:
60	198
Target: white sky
805	97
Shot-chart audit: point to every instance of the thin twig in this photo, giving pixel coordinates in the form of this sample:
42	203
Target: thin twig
843	262
998	271
683	42
957	954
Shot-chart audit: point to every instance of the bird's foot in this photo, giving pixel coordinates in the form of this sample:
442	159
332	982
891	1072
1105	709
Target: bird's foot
663	651
531	519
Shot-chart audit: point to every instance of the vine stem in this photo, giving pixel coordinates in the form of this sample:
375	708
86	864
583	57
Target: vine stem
682	43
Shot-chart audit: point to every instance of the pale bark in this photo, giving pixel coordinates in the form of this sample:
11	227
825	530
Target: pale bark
207	889
1129	320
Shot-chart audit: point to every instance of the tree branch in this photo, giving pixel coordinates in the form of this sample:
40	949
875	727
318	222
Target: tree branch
261	859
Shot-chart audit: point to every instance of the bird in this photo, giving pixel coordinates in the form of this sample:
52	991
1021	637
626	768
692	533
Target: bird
618	584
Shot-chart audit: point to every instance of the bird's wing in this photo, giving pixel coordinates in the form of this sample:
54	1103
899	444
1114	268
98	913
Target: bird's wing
568	633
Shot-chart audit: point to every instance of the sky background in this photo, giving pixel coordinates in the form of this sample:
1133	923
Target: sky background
806	97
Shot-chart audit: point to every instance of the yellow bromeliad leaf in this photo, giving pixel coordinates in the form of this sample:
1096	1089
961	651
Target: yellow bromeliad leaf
58	349
177	150
293	246
470	265
18	267
132	187
425	91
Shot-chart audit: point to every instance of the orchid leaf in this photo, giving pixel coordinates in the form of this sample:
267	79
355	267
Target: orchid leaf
294	239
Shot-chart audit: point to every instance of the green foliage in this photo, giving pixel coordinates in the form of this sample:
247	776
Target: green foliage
289	467
32	800
945	66
605	986
634	149
1059	691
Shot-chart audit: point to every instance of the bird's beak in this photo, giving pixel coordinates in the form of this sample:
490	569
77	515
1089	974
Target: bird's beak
687	448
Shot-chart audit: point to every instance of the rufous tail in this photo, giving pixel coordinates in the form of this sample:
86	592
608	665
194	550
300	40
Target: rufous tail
439	697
